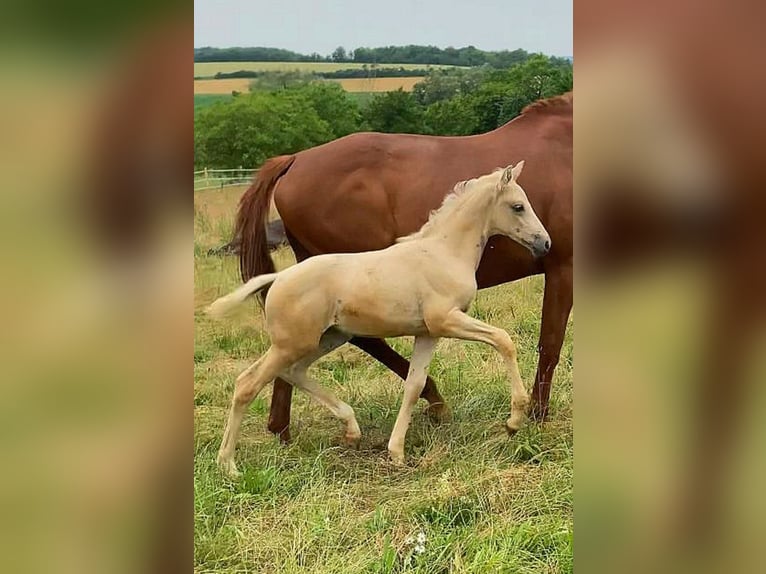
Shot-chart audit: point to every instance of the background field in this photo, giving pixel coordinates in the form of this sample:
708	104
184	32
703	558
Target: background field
226	86
378	84
210	69
204	100
222	86
483	502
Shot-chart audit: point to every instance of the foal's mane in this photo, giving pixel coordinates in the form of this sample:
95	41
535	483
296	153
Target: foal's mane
452	202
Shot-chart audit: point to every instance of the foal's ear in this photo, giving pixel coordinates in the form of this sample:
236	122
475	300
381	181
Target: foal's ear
512	172
516	170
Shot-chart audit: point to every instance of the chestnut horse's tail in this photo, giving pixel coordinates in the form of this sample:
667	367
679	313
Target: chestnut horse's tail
250	227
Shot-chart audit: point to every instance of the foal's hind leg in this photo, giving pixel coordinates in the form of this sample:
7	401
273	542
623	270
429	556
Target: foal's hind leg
298	376
248	385
458	325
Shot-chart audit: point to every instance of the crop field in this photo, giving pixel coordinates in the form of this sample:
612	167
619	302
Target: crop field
378	84
222	86
469	499
210	69
226	86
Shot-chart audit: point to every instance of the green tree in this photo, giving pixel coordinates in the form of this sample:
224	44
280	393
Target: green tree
249	129
394	112
339	54
280	80
333	105
453	117
506	92
442	85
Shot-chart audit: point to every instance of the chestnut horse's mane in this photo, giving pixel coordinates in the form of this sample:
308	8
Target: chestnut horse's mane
555	103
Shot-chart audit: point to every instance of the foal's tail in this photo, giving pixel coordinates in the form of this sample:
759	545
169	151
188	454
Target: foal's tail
223	305
254	256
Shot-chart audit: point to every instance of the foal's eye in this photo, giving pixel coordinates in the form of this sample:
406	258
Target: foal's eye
517	207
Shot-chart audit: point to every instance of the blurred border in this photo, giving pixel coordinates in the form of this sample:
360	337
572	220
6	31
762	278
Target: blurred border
670	283
96	152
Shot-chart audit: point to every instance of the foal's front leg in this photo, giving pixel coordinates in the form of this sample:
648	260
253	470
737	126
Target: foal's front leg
458	325
413	386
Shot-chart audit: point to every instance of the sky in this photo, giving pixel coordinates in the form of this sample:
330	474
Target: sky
307	26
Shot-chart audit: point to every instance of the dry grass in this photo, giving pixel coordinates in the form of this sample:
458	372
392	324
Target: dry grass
484	502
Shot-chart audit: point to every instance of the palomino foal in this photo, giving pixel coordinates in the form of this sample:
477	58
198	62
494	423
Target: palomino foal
420	286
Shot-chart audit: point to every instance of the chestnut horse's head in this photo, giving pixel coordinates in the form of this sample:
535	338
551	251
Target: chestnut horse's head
513	215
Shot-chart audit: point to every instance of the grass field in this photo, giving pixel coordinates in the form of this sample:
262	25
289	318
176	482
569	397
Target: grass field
469	498
204	100
210	69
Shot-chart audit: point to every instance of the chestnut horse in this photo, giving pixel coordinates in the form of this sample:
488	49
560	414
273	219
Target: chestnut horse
362	191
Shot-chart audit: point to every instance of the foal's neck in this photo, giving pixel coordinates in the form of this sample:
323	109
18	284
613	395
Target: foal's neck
465	229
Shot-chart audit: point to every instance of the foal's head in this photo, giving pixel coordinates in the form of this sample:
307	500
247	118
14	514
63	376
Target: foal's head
513	215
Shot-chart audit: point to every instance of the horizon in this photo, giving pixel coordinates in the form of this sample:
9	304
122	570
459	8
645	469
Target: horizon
347	48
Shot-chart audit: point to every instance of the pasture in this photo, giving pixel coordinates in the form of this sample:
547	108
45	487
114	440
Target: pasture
469	499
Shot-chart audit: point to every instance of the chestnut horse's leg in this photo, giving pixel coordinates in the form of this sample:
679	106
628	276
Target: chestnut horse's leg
282	391
279	414
379	349
557	303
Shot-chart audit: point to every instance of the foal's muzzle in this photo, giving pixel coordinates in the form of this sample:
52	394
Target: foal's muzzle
540	245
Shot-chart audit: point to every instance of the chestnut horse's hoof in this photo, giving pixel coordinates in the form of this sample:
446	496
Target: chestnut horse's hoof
283	434
539	412
438	413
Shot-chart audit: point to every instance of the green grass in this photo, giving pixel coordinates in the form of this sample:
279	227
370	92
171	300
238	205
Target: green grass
204	100
484	502
210	69
362	98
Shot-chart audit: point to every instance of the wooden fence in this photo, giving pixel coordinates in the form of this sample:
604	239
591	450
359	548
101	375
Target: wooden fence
220	178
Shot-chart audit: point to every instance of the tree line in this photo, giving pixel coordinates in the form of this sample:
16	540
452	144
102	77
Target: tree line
274	120
365	72
412	54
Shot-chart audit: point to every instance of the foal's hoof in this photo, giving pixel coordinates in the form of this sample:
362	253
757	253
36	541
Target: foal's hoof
351	441
510	429
397	458
438	413
228	467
